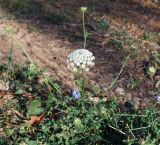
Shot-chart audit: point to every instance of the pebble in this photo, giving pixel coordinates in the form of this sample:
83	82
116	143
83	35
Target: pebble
120	91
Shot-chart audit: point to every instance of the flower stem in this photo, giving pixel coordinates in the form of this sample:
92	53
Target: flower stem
84	32
124	64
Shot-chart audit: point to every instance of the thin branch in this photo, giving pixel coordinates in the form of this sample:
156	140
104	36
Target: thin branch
117	129
124	64
25	52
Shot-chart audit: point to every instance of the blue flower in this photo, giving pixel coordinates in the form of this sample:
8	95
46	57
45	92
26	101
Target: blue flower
76	94
158	99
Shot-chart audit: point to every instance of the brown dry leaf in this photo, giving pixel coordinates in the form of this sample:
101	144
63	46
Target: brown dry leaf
28	96
7	93
35	120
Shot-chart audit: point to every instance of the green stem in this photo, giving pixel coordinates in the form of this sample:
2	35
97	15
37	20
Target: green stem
84	32
130	131
56	88
25	52
124	64
117	130
146	126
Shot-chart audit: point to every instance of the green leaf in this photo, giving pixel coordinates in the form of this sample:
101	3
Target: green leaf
35	108
35	103
10	61
18	92
104	24
35	111
9	132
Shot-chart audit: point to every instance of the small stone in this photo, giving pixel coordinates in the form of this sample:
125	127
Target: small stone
137	103
87	69
104	99
120	91
157	77
105	89
129	95
94	99
92	82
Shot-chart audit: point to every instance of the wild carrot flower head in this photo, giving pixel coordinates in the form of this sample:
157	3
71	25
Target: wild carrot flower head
80	59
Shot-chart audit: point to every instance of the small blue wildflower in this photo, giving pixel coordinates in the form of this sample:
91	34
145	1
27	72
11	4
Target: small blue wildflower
158	99
76	94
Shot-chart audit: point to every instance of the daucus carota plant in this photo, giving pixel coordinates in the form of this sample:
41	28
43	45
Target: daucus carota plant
81	60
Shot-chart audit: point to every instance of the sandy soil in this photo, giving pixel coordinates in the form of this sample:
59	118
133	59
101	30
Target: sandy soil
48	46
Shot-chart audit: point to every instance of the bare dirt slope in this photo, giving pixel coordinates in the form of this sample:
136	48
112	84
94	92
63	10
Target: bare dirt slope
47	40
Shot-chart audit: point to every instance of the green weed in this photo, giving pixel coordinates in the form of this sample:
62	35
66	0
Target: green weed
71	121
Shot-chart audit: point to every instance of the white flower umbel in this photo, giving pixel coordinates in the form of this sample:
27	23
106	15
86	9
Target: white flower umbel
80	59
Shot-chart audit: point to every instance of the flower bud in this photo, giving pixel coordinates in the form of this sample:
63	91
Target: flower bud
83	9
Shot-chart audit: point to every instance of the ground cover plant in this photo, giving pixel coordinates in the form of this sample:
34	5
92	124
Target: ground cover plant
39	112
36	109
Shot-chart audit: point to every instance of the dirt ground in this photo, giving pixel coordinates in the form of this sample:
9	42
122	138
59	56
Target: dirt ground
48	41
